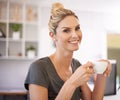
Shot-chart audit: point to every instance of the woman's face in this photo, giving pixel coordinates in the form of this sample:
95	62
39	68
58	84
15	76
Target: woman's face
68	34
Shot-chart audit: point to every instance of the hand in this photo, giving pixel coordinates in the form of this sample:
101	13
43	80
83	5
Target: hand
82	74
108	69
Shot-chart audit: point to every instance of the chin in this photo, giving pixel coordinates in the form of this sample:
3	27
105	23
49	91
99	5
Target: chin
75	49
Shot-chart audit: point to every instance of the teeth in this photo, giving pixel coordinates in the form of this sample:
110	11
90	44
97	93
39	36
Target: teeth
74	42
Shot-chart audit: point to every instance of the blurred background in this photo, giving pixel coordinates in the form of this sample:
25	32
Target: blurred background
24	36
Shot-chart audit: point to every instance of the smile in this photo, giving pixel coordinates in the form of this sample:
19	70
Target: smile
74	42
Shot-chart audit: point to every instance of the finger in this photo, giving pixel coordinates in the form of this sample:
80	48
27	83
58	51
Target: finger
108	70
105	73
91	71
89	65
86	77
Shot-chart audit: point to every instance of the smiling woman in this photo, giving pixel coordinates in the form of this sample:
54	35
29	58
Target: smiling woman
50	77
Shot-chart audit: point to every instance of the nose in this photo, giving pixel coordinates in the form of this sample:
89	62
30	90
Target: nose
76	33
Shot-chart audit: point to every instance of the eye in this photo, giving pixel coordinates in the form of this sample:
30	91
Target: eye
66	30
77	28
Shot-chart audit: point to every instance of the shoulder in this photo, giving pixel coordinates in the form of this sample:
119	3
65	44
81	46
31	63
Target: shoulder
40	64
41	61
37	73
76	62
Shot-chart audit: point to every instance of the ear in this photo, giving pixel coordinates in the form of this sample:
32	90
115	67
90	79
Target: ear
52	35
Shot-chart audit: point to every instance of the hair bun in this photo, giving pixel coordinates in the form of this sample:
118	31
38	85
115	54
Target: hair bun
57	6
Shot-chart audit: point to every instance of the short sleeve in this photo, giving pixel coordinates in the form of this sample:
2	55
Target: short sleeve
75	64
37	74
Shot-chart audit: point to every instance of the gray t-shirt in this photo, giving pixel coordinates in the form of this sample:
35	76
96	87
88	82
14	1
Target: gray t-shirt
42	72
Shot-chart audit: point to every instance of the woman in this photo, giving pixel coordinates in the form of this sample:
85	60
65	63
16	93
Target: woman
60	76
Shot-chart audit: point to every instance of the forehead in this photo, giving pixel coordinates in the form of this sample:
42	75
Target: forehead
69	21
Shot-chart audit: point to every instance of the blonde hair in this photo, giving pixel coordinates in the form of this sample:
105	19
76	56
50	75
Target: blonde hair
58	13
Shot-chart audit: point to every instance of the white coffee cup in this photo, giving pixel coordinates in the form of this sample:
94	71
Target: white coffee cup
100	66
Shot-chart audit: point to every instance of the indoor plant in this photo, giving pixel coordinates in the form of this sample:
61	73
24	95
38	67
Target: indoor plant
31	51
16	31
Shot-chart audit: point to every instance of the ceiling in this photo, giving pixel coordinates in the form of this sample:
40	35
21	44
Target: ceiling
112	6
88	5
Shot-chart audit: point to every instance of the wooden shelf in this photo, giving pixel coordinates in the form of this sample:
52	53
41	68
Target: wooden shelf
13	92
24	14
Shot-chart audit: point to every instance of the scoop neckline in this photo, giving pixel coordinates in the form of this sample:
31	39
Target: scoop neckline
53	67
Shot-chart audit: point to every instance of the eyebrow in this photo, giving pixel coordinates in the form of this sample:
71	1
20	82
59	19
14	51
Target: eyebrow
69	27
65	27
78	25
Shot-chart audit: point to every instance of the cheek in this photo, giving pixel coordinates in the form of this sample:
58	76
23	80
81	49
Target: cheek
62	40
63	37
80	35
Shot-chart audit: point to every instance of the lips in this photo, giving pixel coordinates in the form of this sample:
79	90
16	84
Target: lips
74	42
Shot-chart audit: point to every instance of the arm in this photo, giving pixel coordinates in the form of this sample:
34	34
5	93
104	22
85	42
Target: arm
86	92
99	87
38	92
37	75
100	82
66	91
78	78
98	91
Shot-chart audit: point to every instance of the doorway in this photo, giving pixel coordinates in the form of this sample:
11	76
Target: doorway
113	49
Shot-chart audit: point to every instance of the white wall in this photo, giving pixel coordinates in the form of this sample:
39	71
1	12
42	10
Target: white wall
93	44
13	73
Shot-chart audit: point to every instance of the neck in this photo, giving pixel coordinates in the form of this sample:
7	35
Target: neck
62	64
62	60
